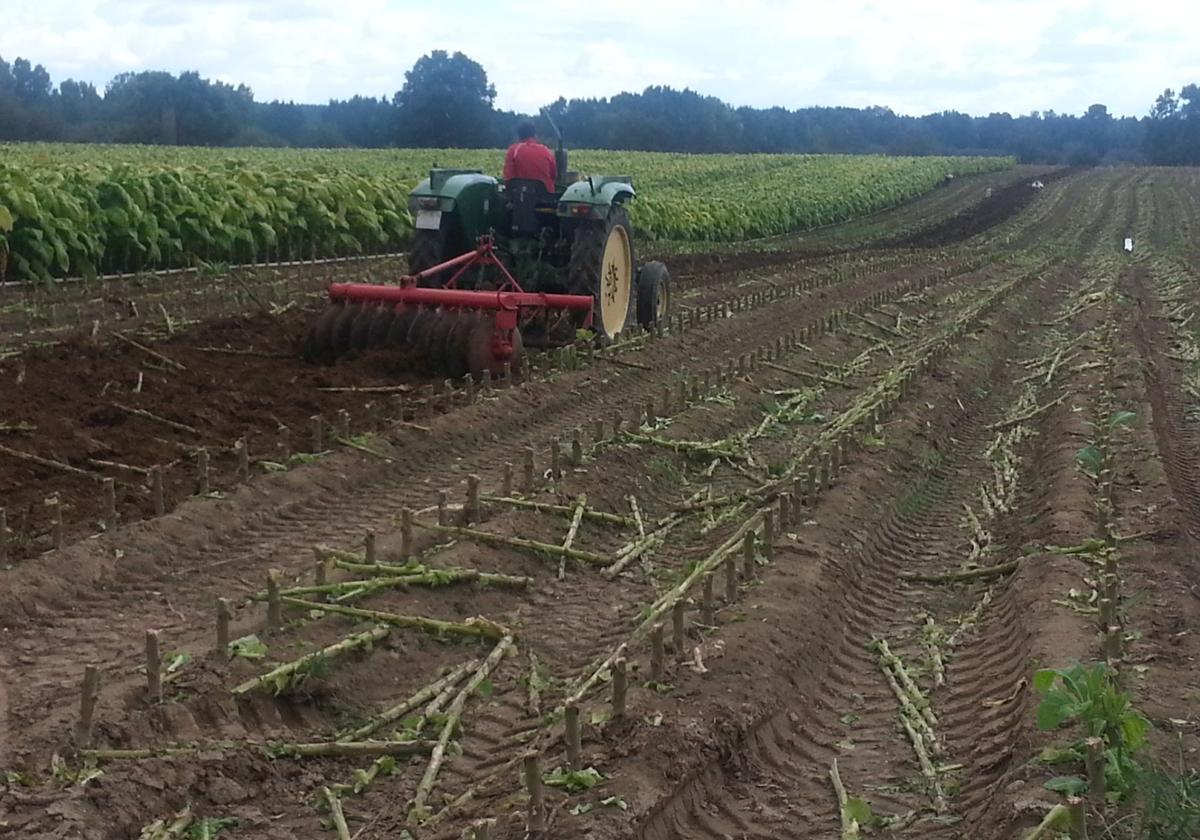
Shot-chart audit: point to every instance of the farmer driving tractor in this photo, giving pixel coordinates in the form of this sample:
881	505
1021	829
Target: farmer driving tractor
529	159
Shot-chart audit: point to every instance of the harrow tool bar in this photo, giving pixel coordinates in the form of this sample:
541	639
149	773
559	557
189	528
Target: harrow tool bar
447	330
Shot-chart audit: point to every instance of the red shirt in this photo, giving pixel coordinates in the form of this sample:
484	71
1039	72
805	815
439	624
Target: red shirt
530	159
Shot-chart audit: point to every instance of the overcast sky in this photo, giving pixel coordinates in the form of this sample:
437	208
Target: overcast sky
915	56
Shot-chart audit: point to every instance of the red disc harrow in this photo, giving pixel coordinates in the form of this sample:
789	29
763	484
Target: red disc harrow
442	330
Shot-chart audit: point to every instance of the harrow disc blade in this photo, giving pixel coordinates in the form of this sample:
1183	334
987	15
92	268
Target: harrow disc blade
457	344
401	326
361	327
438	355
318	344
381	325
342	327
420	332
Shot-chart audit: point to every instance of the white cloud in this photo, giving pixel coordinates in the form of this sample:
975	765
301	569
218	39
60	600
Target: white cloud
916	56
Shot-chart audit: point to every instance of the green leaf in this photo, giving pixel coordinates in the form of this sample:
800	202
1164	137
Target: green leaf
1121	419
484	689
177	660
12	777
615	802
1133	730
1090	459
849	719
1060	755
858	810
6	219
1043	680
1067	785
209	827
88	774
1054	710
574	781
580	808
599	716
248	647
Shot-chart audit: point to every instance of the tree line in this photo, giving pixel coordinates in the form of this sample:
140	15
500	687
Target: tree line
447	101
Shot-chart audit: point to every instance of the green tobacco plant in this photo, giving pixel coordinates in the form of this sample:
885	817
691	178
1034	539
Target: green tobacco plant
1090	697
88	209
573	781
1094	457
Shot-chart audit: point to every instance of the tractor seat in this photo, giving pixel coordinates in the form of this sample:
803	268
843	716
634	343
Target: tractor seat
524	197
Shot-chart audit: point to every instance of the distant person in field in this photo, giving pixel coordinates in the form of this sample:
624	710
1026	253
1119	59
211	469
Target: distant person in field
527	158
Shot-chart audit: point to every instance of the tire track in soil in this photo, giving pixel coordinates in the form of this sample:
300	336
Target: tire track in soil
1177	437
200	563
794	747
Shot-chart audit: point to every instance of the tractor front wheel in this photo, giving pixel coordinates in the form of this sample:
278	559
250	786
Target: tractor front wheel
602	266
653	294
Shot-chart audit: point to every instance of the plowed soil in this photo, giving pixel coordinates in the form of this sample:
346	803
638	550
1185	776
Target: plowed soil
925	398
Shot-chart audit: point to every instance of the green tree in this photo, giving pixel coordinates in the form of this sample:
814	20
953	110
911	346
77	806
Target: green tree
1165	106
31	84
446	102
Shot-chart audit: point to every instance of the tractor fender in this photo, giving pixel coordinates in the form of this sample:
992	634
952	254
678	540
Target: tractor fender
449	186
595	198
468	196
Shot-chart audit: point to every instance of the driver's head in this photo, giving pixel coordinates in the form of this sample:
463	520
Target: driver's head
526	130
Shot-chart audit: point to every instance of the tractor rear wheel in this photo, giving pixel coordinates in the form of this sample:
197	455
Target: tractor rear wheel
602	266
427	251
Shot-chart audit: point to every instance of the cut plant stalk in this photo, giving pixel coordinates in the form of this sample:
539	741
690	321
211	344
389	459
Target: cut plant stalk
292	672
477	627
417	808
927	768
573	737
932	637
701	447
888	659
1057	819
849	824
535	689
561	510
397	576
336	814
88	697
960	576
519	542
403	708
580	506
221	749
536	819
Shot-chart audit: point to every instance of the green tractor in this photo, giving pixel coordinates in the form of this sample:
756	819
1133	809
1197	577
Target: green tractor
461	308
576	240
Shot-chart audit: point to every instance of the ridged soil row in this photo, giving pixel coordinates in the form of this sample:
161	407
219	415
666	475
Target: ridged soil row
573	617
688	545
779	785
568	625
1176	421
988	707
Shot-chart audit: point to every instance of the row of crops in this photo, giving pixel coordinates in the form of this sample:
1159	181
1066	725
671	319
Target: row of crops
82	210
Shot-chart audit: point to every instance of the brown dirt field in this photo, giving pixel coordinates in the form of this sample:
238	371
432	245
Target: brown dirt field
939	369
